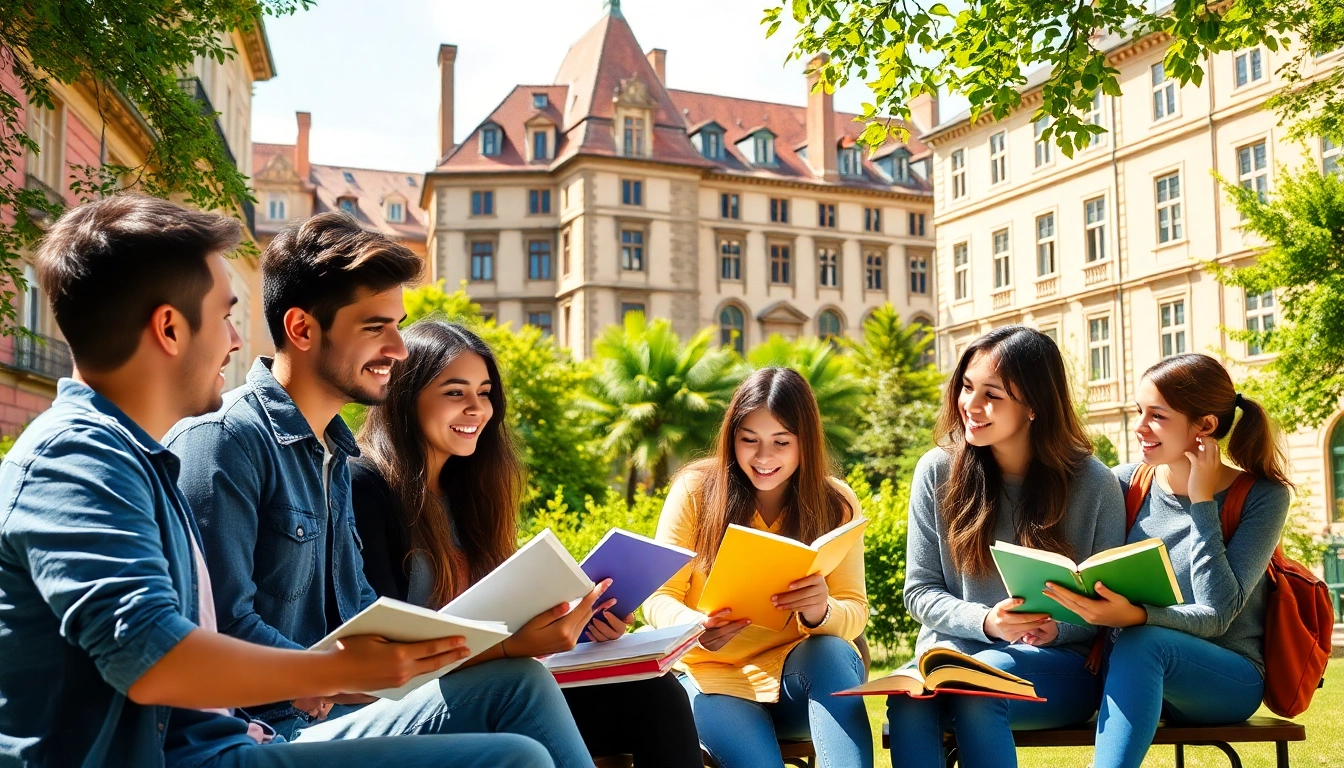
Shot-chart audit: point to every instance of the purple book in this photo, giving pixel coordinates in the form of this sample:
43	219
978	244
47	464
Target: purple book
636	565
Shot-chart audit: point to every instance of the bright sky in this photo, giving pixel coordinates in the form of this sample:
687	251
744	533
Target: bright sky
368	71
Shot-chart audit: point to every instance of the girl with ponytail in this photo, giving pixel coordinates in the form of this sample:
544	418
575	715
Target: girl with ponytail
1203	661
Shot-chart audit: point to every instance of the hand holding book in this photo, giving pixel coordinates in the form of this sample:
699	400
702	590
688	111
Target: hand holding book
1109	609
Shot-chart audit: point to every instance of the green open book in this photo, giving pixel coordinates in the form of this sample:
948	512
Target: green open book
1140	571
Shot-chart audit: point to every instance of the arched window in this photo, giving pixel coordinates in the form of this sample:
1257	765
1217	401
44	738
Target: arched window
1337	472
732	328
828	324
928	357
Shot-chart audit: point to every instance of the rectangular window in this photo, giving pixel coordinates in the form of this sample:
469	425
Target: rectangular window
632	192
541	320
1164	93
1045	245
1172	314
828	268
564	252
779	210
764	147
275	209
1003	273
1099	348
712	141
538	201
919	274
729	206
1332	157
872	273
632	250
633	143
539	260
998	157
1169	208
917	225
826	215
631	307
1253	169
730	259
958	174
539	146
1250	67
347	205
781	264
396	212
482	261
1259	318
1094	211
483	203
1044	151
961	271
872	219
1095	116
490	142
45	129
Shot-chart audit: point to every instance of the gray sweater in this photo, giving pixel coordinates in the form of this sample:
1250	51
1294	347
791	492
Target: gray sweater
1224	585
952	606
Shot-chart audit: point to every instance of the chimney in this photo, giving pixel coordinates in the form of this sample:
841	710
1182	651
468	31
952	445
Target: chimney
301	165
447	55
821	141
658	60
924	113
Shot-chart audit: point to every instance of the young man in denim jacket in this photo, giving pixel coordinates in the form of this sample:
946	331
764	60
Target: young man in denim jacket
267	480
107	647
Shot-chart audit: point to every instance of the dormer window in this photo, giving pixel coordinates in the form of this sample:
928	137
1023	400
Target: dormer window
541	149
490	141
346	204
396	211
896	166
632	141
759	147
851	161
540	101
410	181
709	140
348	176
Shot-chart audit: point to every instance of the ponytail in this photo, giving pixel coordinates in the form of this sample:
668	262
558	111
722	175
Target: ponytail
1196	386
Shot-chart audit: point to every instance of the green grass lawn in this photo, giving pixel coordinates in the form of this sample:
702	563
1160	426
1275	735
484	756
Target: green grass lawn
1324	745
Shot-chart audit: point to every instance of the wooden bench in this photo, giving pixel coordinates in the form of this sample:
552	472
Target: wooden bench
1222	737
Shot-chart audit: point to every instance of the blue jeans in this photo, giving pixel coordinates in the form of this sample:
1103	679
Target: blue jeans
741	733
984	726
516	696
1197	681
481	750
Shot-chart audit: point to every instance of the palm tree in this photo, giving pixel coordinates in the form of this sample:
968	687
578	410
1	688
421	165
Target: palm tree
830	374
657	398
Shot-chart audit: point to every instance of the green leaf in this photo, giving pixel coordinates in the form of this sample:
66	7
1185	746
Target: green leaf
938	9
800	11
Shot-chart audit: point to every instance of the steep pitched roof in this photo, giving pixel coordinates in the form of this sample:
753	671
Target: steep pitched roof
371	189
595	67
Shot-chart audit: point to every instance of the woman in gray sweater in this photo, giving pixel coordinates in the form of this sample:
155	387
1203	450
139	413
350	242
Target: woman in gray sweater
1014	465
1200	662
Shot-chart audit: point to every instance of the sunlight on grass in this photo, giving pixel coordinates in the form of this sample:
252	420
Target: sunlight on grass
1324	745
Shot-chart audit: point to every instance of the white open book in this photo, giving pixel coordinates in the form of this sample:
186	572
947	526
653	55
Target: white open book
537	577
405	623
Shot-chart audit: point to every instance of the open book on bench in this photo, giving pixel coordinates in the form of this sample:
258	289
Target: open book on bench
943	670
1140	571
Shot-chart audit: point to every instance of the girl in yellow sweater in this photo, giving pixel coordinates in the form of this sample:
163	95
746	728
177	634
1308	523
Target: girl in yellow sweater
751	686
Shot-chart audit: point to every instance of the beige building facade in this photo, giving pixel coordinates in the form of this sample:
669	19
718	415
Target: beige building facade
605	192
1105	251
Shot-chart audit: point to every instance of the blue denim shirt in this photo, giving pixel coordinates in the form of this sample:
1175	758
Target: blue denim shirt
97	584
253	474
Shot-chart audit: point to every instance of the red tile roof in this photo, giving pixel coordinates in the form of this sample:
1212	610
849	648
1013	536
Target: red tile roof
594	72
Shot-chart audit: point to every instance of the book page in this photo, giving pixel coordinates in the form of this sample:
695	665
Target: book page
536	578
832	547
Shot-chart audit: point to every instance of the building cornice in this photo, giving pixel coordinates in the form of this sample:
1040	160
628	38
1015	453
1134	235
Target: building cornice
258	48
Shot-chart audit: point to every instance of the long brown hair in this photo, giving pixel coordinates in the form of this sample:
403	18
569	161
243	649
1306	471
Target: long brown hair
482	490
1196	386
1033	372
724	495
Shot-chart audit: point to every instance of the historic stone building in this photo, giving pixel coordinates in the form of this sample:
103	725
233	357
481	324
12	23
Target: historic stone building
604	192
1105	251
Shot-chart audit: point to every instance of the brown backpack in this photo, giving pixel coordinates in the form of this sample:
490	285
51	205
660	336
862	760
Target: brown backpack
1299	616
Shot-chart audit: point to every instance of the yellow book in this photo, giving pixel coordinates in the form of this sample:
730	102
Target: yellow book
753	565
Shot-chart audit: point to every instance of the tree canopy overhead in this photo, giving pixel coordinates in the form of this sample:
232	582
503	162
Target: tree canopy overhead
135	50
985	49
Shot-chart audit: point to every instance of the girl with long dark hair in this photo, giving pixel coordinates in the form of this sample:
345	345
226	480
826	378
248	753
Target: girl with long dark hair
1013	464
751	686
1203	661
436	497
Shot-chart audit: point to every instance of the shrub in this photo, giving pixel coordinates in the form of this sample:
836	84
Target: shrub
889	625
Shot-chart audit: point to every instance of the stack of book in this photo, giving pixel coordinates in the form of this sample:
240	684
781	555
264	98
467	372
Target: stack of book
636	656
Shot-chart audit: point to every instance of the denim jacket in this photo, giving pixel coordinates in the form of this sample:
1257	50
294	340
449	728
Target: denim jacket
97	584
253	474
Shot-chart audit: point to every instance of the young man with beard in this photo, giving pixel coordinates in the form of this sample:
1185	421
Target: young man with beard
108	654
267	480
